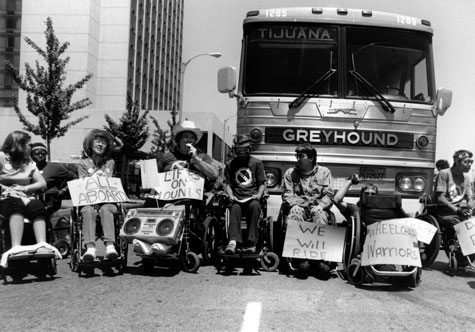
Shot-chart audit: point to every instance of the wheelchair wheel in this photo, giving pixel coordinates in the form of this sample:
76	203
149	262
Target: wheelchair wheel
52	267
355	274
210	240
270	261
74	262
63	247
429	251
453	265
191	262
415	278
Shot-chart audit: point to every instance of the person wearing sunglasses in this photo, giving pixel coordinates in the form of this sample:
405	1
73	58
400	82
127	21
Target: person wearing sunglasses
453	191
308	193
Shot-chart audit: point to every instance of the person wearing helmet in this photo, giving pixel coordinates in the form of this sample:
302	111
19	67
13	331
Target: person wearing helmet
453	188
97	147
308	193
245	184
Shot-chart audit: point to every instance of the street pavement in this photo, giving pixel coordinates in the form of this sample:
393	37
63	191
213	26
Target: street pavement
210	301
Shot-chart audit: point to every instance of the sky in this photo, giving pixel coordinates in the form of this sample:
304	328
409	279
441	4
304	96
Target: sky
216	26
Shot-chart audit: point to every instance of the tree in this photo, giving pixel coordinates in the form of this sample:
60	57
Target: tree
132	131
46	98
160	142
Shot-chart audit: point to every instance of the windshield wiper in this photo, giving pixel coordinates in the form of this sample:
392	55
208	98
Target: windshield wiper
388	107
315	85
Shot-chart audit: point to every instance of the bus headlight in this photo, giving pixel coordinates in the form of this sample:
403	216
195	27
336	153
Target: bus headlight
405	184
273	177
411	183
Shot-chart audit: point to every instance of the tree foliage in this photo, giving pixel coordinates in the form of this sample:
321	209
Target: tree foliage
163	140
47	98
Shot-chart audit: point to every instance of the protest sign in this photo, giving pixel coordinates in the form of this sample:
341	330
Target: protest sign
425	231
96	190
179	184
391	242
314	241
466	236
149	173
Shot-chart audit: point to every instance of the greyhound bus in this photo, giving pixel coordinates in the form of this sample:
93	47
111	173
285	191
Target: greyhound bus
359	85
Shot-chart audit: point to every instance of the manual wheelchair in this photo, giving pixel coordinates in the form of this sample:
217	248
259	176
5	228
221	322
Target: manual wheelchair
77	264
264	258
444	238
44	264
374	208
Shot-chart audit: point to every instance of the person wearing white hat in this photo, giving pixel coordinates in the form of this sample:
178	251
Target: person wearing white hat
186	155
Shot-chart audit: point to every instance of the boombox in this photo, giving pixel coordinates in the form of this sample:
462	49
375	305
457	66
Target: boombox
154	225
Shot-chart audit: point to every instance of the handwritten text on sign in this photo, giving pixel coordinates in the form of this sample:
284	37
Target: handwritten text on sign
96	190
179	184
391	242
466	236
314	241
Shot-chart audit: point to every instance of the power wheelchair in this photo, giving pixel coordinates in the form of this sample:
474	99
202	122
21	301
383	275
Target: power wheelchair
444	238
264	258
77	264
43	264
374	208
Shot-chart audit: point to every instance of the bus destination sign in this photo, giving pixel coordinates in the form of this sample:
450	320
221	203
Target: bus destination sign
285	135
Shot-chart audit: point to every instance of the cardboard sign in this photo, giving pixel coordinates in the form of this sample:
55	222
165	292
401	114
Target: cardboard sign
179	184
466	236
96	190
391	242
149	173
425	231
314	241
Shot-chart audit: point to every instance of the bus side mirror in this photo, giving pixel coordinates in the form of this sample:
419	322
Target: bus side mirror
227	80
443	101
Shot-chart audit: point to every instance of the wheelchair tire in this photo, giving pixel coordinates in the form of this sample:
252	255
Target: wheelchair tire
453	265
63	247
355	274
191	262
210	241
270	261
429	252
415	278
52	267
74	262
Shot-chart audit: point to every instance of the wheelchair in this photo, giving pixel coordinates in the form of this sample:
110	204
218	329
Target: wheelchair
374	208
264	258
444	239
77	264
175	234
44	264
287	265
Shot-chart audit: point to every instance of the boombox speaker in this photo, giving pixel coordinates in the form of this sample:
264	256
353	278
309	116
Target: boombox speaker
153	225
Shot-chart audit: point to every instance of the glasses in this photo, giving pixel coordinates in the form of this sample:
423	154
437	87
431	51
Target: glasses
300	156
39	153
468	161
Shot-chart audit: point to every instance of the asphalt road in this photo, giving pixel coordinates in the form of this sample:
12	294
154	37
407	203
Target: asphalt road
208	301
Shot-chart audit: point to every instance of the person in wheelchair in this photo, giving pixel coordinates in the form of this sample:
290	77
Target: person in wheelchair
20	179
452	188
97	146
56	176
308	195
245	185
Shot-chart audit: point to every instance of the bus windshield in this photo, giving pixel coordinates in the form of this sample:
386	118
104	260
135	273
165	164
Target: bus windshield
285	60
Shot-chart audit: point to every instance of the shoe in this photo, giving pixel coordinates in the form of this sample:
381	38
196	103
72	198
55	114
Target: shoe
249	250
322	271
302	270
90	255
160	248
231	248
111	253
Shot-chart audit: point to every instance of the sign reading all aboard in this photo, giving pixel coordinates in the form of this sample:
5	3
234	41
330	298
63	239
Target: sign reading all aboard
96	190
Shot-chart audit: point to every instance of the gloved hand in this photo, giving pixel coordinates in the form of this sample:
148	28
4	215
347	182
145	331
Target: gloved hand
354	179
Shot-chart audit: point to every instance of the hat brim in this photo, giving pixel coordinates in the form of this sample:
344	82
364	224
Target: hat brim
196	131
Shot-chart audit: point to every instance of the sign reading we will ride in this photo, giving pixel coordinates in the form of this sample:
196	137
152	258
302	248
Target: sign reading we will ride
466	236
96	190
314	241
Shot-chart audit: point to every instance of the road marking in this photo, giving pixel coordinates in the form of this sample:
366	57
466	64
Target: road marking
252	317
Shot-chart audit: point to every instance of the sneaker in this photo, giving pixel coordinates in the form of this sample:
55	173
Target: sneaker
231	248
160	248
249	250
111	253
302	270
322	271
90	255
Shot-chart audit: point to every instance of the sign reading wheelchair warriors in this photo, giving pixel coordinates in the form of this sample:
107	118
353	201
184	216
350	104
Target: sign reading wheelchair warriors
96	190
466	236
179	184
314	241
392	241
